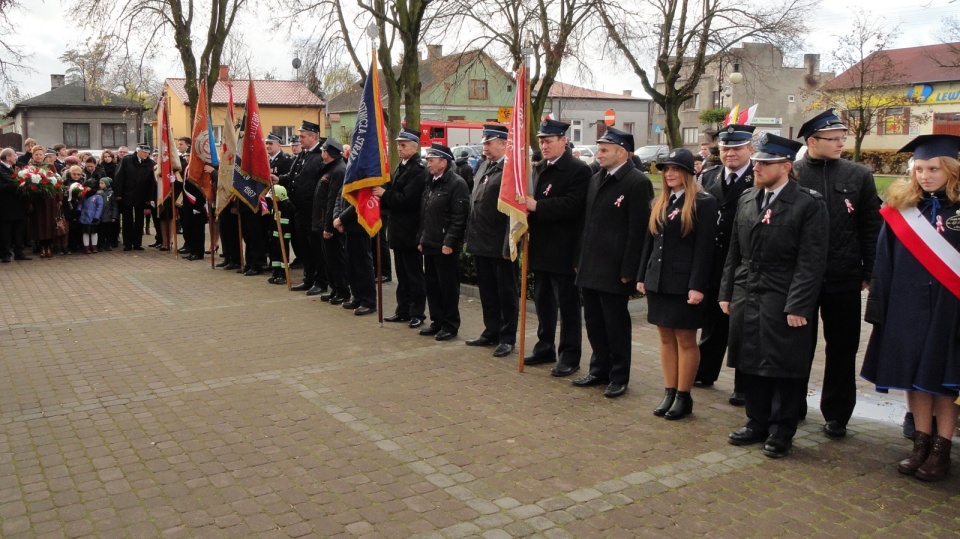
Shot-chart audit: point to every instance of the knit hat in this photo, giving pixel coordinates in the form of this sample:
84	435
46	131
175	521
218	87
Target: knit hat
107	180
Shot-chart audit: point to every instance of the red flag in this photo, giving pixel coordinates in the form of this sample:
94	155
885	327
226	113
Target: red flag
513	185
167	175
254	161
202	151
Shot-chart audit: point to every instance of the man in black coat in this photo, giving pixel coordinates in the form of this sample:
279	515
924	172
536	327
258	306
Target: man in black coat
358	256
616	218
443	220
333	240
464	169
726	183
402	197
555	219
13	209
770	285
853	206
487	240
134	189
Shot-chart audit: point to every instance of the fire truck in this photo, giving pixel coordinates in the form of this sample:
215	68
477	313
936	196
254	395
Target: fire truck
450	133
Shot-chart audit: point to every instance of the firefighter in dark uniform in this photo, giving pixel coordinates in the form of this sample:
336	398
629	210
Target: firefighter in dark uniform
133	187
770	285
854	209
443	220
193	217
617	213
556	222
488	241
402	196
280	164
359	257
726	183
296	164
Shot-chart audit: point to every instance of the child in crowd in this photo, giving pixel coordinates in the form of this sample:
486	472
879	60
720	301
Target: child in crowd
91	209
108	219
285	206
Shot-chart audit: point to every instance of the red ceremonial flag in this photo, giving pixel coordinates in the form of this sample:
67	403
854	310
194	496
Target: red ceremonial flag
167	175
513	185
254	161
202	151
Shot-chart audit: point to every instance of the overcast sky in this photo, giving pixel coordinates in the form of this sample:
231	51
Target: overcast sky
919	25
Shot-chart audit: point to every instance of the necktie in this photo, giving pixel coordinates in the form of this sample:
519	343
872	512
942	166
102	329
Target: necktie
673	199
731	178
766	200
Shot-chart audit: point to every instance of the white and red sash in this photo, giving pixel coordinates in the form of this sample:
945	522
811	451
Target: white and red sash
934	253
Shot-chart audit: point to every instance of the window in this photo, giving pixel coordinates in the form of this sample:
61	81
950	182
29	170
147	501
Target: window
894	121
717	99
76	135
458	119
576	131
628	127
113	135
691	135
217	134
478	89
283	131
693	103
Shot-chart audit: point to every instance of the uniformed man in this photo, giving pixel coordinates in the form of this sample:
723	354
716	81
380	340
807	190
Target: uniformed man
295	145
443	219
488	241
280	162
134	189
402	197
617	214
854	210
555	219
358	257
770	284
726	183
295	165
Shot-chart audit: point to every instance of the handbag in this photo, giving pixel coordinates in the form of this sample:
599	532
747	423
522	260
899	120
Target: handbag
63	228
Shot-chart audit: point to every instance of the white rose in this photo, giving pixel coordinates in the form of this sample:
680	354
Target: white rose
35	178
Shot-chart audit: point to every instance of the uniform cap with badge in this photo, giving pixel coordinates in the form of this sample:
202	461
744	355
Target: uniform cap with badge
439	150
775	148
680	157
332	146
408	135
618	137
552	128
309	126
736	135
273	138
825	121
494	132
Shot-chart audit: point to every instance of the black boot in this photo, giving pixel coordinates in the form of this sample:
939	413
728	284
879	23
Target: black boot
921	450
668	395
682	406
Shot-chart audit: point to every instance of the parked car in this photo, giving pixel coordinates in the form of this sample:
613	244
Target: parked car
649	155
474	152
586	154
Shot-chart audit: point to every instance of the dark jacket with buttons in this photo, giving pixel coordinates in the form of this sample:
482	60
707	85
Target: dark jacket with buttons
556	226
853	206
402	197
727	197
487	226
135	184
302	180
443	213
673	263
617	212
13	206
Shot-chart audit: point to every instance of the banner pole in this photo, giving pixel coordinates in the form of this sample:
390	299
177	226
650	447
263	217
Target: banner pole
283	247
240	237
173	204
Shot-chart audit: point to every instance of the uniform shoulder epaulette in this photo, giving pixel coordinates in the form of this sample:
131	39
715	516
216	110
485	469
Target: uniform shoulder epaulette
816	195
751	191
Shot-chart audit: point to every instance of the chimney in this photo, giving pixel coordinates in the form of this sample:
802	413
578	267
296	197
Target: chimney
811	62
56	81
628	93
434	52
224	73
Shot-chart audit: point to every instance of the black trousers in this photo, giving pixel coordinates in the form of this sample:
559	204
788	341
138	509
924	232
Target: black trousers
131	219
555	293
411	287
609	331
773	404
385	269
316	252
499	298
335	259
360	268
253	237
12	234
840	312
713	341
306	238
229	236
442	276
193	234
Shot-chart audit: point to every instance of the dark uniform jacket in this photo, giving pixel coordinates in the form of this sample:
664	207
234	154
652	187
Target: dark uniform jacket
555	228
135	184
303	183
333	181
13	206
288	180
487	226
617	212
402	198
713	181
854	209
281	164
465	171
318	216
774	269
673	263
443	213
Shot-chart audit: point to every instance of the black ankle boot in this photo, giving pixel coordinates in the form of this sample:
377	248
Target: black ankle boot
668	395
682	406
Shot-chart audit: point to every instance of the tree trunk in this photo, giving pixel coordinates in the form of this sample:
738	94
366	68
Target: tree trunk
671	112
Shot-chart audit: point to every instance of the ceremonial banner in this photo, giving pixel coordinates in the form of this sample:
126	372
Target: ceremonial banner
368	166
513	185
203	150
733	116
255	163
228	167
167	156
747	116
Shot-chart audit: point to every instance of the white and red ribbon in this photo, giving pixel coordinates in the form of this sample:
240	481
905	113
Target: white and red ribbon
940	224
547	190
849	205
618	201
766	217
926	244
673	214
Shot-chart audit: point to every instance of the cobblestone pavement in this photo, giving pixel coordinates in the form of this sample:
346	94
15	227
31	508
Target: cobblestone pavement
145	396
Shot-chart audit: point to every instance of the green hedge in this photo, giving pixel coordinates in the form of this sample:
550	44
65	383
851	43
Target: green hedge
882	161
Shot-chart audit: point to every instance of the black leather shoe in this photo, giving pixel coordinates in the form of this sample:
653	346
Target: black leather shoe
737	399
669	394
326	297
682	406
360	311
154	244
776	448
272	280
350	305
253	271
127	248
560	370
337	300
221	264
589	380
481	341
503	350
614	390
22	256
280	280
137	248
316	291
429	331
746	436
231	267
530	361
192	257
397	318
302	287
700	383
182	250
445	335
835	429
415	323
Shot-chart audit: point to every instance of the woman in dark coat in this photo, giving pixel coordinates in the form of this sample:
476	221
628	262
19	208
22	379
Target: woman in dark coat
42	224
914	306
675	274
108	162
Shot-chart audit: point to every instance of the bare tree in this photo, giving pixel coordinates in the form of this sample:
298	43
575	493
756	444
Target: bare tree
99	64
688	35
154	22
11	54
950	34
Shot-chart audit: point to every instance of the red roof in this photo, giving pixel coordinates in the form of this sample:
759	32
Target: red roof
913	65
269	92
569	91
